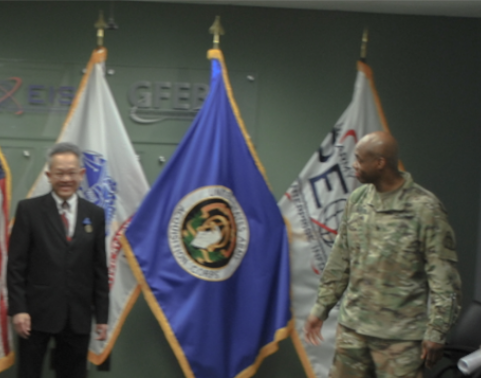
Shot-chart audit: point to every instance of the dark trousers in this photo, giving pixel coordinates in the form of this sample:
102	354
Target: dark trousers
70	357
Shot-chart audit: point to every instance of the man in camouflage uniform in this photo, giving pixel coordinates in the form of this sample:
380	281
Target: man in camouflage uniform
394	250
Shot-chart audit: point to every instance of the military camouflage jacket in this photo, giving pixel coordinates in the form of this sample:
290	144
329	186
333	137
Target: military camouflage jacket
393	252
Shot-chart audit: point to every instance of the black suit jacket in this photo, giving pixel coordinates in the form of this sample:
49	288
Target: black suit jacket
52	279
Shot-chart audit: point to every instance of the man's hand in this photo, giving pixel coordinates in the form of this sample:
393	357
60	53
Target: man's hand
312	330
432	353
21	324
101	330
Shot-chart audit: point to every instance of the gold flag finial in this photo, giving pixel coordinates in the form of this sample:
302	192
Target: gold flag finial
100	25
217	30
365	39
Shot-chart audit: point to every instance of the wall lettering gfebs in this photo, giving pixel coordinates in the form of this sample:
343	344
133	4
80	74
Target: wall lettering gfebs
162	100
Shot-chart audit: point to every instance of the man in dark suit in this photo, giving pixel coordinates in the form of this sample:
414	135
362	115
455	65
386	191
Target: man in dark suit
57	271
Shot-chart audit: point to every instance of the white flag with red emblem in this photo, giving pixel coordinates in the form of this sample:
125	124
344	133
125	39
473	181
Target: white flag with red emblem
113	179
313	206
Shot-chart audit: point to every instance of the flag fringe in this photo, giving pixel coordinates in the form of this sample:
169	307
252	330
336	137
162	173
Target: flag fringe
156	309
8	179
281	333
98	56
367	71
217	54
363	67
301	351
266	350
7	361
97	359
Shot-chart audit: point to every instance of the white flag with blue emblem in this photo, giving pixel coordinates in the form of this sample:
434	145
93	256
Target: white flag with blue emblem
113	180
313	206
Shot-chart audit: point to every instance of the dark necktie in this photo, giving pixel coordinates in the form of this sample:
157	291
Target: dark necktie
63	215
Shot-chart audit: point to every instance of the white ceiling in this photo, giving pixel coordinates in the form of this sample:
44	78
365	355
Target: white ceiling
454	8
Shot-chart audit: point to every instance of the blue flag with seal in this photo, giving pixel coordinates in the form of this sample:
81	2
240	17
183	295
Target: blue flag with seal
209	246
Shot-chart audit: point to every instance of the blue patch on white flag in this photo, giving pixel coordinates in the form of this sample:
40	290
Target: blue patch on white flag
98	186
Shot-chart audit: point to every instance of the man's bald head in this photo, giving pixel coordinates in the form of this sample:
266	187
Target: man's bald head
381	144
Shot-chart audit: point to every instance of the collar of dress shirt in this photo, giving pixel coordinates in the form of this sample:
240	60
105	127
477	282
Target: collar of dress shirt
72	202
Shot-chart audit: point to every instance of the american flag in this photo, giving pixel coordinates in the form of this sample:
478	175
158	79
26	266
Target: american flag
6	349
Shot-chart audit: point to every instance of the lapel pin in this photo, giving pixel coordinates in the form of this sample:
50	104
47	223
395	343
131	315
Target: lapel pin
87	225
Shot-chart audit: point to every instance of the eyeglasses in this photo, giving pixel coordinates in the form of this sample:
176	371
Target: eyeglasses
61	175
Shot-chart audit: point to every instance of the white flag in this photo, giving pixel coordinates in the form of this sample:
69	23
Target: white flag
113	180
313	206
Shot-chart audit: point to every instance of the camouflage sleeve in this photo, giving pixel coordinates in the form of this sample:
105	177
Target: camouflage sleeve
335	276
440	266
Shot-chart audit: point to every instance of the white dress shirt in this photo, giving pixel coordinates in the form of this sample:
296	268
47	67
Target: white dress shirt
70	213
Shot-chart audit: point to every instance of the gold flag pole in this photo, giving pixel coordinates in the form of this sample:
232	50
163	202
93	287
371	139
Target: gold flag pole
217	30
100	25
365	39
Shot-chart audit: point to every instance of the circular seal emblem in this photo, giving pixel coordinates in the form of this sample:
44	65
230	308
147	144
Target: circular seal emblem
208	233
